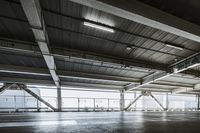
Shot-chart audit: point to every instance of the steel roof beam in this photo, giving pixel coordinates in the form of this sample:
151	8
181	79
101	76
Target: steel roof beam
111	27
183	65
82	75
31	81
90	85
63	53
65	74
148	80
38	82
35	18
111	40
181	89
187	63
151	79
141	13
34	15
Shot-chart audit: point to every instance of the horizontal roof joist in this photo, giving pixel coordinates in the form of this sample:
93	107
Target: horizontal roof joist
85	76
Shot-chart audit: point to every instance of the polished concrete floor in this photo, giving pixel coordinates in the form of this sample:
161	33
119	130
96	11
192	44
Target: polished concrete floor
101	122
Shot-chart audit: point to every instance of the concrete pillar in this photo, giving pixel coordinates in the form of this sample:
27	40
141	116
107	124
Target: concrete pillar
59	99
165	101
122	101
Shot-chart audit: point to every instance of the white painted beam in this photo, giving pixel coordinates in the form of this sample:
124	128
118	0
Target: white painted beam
69	54
181	89
86	76
187	64
64	83
35	18
66	74
147	80
33	13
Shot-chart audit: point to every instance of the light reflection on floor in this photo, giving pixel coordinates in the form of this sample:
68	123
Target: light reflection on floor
101	122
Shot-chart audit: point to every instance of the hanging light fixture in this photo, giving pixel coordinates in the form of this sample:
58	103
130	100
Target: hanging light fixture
98	27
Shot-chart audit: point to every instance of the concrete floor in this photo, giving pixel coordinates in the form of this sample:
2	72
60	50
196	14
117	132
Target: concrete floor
101	122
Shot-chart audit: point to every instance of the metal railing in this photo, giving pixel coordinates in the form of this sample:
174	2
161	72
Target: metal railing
90	104
18	103
28	103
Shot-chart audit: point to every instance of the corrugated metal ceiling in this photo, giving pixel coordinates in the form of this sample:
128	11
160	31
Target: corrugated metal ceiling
64	21
65	32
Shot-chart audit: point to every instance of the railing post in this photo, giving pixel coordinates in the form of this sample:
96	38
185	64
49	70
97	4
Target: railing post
94	103
108	104
24	100
15	103
78	104
167	101
38	106
198	102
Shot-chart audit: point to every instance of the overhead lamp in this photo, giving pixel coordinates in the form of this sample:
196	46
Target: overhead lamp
128	48
98	27
174	46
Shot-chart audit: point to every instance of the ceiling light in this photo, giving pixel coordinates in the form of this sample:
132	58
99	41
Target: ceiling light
98	27
174	46
129	48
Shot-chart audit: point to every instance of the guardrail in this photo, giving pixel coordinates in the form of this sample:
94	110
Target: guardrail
16	103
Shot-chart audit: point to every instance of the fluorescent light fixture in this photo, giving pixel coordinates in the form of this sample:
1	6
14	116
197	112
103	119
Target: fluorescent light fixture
98	27
128	48
174	46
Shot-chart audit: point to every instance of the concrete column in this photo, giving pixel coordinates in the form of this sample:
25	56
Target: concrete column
108	104
94	101
122	101
165	101
59	99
